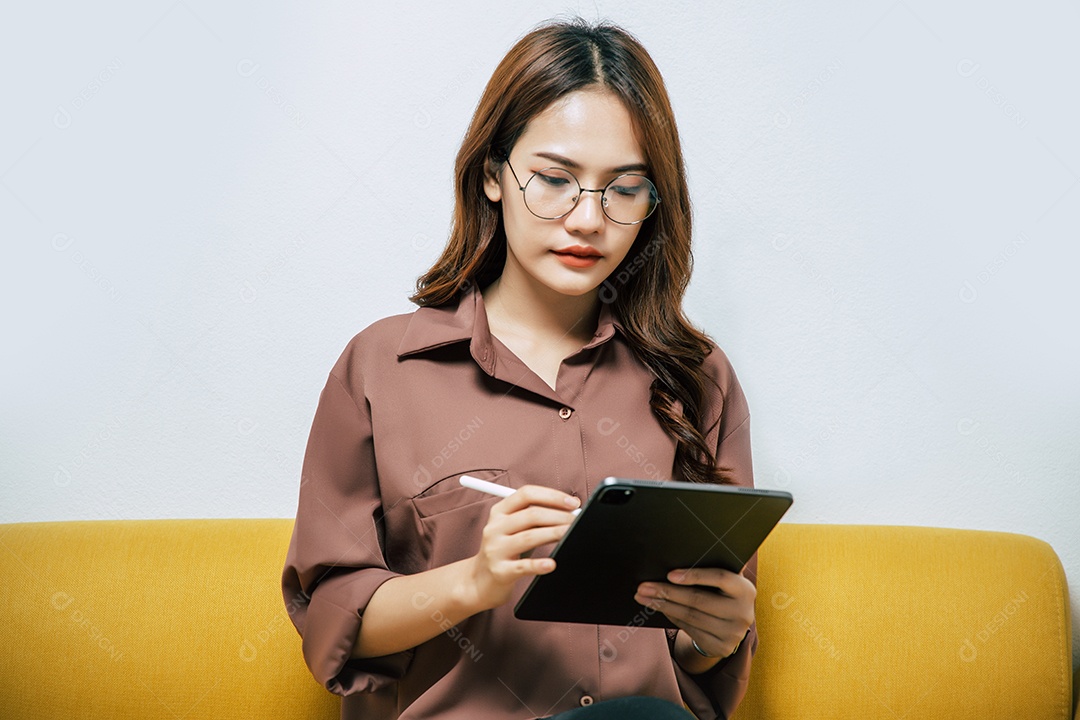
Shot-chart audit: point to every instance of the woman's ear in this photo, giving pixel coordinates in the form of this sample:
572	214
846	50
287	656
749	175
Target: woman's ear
492	187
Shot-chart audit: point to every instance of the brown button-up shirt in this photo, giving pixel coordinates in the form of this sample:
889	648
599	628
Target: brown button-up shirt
415	401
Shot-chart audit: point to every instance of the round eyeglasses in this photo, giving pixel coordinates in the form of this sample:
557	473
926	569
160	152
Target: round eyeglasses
553	193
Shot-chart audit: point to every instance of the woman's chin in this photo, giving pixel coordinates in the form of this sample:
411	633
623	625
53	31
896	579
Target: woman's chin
576	286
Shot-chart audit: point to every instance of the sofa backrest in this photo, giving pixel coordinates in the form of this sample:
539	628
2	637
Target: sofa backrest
184	618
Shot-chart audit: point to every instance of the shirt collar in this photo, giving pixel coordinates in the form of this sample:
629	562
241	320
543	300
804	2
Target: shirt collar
432	327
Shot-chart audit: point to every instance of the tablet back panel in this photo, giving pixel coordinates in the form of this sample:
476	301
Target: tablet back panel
632	531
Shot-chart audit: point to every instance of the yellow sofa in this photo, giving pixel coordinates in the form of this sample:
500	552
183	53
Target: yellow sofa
184	619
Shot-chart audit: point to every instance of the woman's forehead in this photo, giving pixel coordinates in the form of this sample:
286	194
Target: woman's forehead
592	129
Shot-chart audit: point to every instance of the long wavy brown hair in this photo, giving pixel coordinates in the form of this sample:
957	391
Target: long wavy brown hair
647	289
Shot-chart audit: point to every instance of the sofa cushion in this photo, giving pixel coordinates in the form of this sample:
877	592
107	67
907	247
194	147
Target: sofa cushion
151	619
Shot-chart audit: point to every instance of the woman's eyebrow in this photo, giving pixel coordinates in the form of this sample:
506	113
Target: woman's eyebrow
571	164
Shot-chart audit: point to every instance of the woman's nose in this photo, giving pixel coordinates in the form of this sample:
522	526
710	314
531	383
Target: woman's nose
588	215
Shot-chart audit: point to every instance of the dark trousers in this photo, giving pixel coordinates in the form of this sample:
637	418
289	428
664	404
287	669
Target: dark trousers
628	708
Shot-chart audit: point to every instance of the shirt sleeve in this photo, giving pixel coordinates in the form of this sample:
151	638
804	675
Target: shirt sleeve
335	561
716	692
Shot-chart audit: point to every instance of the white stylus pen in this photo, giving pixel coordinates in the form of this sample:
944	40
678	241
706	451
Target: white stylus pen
493	488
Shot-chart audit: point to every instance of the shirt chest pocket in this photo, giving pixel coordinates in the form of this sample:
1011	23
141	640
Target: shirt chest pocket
450	518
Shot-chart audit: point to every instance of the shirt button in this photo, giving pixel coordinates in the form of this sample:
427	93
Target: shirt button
565	414
586	700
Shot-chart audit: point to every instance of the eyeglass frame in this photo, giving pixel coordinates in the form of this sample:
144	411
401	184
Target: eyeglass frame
602	191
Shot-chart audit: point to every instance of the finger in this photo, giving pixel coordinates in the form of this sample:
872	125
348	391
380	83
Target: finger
527	495
712	612
707	637
522	542
533	516
688	629
729	583
694	616
711	644
705	599
718	639
511	570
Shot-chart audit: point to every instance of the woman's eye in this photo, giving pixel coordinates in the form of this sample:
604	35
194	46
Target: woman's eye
627	190
553	180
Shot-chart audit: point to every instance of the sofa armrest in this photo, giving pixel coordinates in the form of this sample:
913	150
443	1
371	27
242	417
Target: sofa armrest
910	621
1076	694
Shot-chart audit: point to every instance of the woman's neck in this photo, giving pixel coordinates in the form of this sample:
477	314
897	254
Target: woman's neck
529	309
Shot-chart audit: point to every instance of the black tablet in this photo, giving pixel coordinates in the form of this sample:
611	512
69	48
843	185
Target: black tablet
631	531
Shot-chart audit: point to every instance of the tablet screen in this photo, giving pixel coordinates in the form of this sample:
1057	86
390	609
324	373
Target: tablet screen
631	531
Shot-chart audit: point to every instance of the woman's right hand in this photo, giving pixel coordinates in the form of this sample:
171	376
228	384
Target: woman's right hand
533	516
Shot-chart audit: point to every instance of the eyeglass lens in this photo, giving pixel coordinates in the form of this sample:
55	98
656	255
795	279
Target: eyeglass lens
553	192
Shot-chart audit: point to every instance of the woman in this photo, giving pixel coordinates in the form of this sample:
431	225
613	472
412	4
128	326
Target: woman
549	351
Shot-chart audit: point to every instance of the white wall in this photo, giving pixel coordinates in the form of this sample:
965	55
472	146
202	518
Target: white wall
201	203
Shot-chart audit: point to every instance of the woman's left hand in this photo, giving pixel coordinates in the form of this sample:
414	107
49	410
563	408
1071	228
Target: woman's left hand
715	607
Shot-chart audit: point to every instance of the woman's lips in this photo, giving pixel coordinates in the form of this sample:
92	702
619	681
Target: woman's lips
578	257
